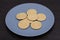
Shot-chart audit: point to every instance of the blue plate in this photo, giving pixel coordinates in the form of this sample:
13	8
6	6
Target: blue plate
12	22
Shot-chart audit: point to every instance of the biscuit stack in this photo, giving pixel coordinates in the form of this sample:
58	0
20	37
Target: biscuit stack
30	18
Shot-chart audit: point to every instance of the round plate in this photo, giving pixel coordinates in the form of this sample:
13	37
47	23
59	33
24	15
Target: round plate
12	22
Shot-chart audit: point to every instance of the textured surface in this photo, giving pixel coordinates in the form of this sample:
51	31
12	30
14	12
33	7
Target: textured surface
6	5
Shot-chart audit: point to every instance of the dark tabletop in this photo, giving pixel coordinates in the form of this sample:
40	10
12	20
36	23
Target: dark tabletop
6	34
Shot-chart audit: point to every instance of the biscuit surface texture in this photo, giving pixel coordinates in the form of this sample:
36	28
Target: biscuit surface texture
23	24
41	17
32	14
36	25
21	15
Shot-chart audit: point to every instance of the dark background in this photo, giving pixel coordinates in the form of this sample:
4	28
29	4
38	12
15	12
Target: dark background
6	5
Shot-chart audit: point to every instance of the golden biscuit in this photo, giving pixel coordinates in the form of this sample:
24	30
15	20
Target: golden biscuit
36	25
21	15
32	14
41	17
23	24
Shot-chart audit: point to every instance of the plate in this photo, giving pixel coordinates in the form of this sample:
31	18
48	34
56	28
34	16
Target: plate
12	22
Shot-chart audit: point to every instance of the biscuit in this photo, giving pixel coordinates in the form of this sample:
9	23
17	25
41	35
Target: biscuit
32	14
36	25
21	15
23	24
41	17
